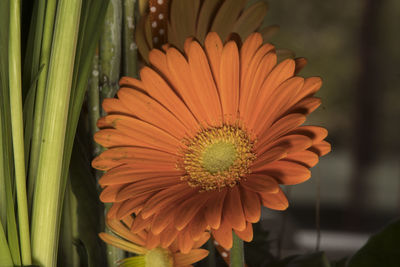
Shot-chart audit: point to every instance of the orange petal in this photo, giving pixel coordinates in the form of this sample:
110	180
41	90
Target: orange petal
279	128
251	205
185	242
112	212
271	155
250	19
152	241
301	62
291	143
223	235
306	106
109	194
246	234
183	19
226	16
229	81
214	209
165	197
205	18
204	83
132	83
149	110
162	92
188	209
182	82
260	66
139	224
315	133
130	205
115	106
120	229
113	138
168	236
311	86
197	226
321	148
247	53
203	239
213	45
287	172
277	201
277	104
126	174
162	219
306	157
154	184
195	255
278	75
144	134
158	60
120	160
233	209
260	183
186	45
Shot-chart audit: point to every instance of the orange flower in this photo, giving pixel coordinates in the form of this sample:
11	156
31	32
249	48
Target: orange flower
172	21
148	249
204	139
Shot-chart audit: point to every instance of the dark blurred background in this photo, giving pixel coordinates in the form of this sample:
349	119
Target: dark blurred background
355	47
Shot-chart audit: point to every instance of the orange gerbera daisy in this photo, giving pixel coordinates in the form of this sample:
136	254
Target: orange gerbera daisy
172	21
206	137
147	247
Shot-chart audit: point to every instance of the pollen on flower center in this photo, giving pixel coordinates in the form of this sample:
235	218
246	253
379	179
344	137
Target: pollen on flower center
217	157
158	257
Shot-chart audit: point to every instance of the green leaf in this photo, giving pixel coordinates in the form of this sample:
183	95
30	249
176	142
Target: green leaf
5	255
29	106
382	249
339	263
90	209
6	158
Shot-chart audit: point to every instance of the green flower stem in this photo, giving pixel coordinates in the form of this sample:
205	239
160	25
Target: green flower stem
110	50
237	253
17	128
130	48
94	103
211	260
114	254
48	190
40	92
109	64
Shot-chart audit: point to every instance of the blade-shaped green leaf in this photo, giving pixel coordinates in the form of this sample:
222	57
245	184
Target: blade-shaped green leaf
90	210
5	255
382	249
15	88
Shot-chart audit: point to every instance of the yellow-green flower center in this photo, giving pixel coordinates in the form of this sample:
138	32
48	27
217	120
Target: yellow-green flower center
217	157
158	257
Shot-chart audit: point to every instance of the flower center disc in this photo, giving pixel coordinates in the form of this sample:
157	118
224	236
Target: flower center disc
217	157
158	257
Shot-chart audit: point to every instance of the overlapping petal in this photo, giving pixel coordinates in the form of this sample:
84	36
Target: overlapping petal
151	126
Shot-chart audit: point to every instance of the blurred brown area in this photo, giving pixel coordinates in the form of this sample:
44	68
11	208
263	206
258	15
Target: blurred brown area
355	47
